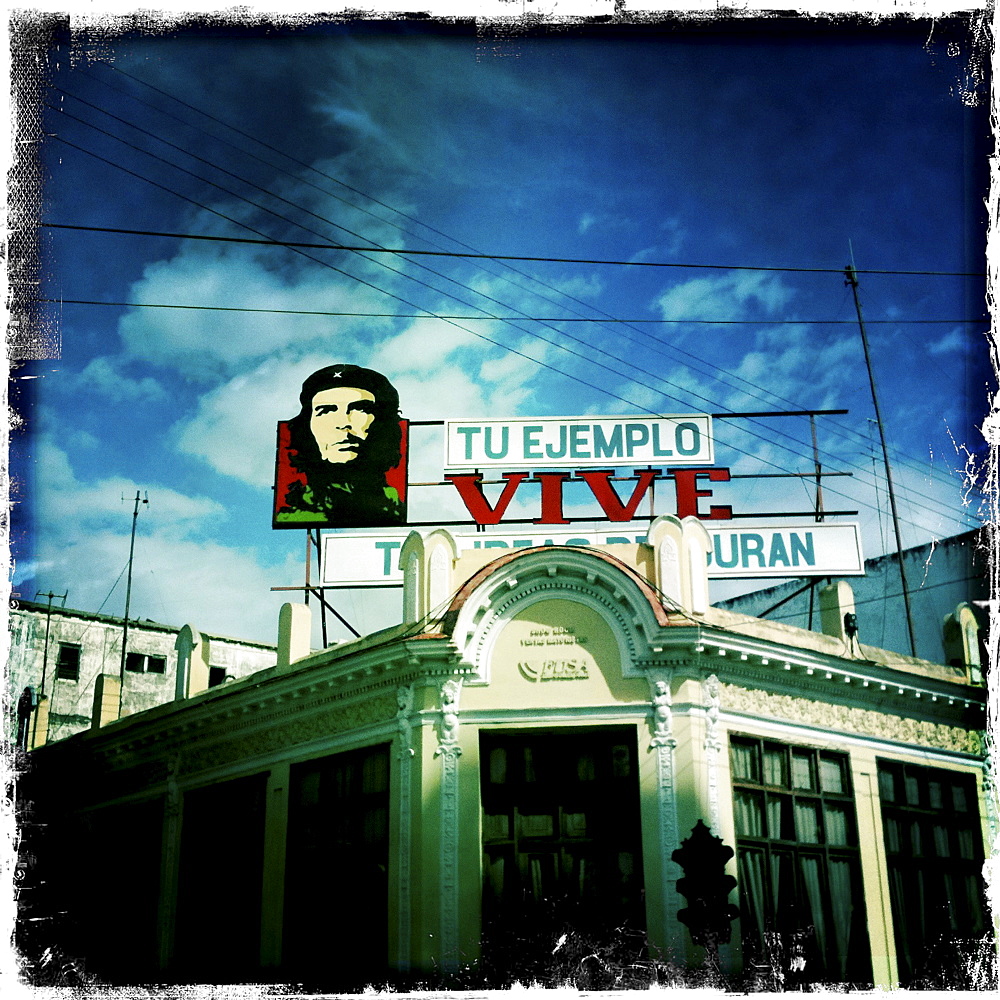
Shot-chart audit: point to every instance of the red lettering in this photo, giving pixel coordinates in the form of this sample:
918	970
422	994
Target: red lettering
687	493
607	497
552	495
475	501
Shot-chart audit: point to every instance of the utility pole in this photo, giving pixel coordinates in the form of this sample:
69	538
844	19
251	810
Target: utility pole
45	655
852	280
128	600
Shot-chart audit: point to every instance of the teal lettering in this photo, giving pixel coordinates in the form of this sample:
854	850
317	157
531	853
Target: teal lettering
657	451
495	543
468	432
734	554
751	544
561	453
635	435
577	441
778	552
695	432
531	432
607	447
576	541
387	560
523	543
616	540
805	549
502	453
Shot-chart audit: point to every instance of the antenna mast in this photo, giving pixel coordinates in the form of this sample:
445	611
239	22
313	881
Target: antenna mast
128	600
852	280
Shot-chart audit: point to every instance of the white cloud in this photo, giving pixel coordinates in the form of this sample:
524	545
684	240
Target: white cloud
587	220
106	376
207	343
954	341
62	499
726	297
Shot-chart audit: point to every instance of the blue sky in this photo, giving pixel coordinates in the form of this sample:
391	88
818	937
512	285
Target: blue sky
750	150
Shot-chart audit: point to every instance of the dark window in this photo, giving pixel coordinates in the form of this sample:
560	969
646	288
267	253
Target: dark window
220	881
561	839
801	898
338	849
216	676
934	852
68	662
140	663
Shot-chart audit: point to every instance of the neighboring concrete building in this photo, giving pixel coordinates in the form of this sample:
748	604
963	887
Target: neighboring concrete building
58	655
520	766
942	577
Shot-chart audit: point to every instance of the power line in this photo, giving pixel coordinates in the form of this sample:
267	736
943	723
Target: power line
490	256
429	313
850	432
369	284
312	169
532	319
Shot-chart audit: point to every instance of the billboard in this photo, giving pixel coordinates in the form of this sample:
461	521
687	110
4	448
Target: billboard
578	442
341	460
790	551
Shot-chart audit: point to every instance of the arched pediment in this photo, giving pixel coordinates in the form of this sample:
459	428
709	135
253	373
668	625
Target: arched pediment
506	588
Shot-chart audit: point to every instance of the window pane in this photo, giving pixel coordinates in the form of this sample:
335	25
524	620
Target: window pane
586	769
936	794
959	799
774	811
806	822
892	839
156	665
831	775
535	825
621	766
941	847
135	662
775	766
966	844
498	765
887	785
496	826
749	813
744	761
912	790
838	829
802	771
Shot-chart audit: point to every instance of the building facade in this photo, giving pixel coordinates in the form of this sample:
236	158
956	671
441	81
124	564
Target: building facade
557	744
57	655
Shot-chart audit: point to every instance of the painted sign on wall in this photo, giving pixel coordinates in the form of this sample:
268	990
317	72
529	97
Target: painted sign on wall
578	442
341	461
800	550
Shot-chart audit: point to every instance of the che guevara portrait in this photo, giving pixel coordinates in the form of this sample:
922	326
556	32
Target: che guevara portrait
341	459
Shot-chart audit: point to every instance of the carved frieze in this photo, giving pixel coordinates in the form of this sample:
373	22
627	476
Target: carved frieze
844	718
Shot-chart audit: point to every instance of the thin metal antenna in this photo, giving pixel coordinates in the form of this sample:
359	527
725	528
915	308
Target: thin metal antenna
852	280
45	656
128	601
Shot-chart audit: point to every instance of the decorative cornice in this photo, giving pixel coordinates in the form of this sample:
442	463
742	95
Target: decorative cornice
844	718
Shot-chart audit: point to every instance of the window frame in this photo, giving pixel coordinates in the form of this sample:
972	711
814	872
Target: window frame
60	667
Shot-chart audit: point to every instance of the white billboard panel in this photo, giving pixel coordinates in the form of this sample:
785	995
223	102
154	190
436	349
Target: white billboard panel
579	442
801	550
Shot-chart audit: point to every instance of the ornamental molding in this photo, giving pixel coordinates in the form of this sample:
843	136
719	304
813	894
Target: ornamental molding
662	699
859	721
254	711
358	714
712	699
556	574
